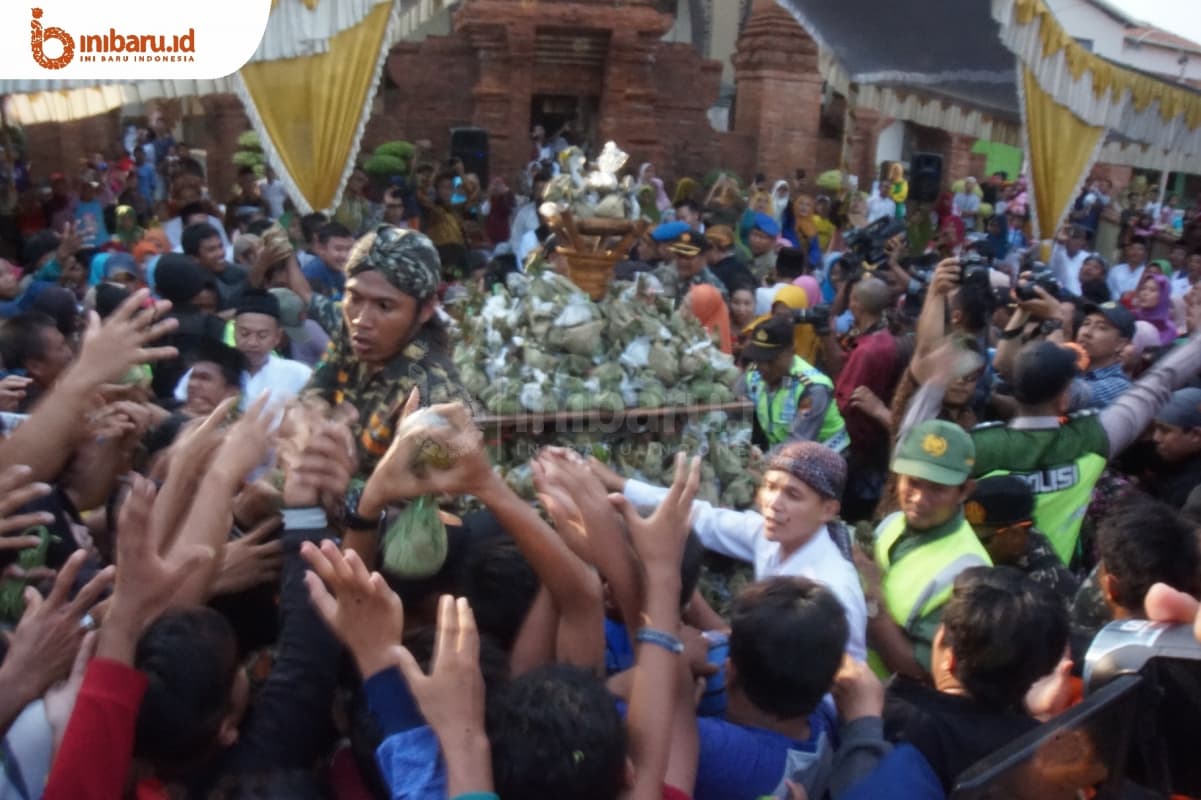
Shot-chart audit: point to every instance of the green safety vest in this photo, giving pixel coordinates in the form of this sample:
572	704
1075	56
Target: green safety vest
1061	465
920	583
1061	498
776	410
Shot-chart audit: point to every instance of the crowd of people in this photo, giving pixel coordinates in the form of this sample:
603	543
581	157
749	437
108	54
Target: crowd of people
972	462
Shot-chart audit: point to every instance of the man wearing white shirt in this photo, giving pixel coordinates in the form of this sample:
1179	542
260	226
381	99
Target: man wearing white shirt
966	204
799	496
1068	255
1124	278
257	332
880	204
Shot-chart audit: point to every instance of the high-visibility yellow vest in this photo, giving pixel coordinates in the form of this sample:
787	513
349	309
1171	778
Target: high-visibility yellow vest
920	582
776	410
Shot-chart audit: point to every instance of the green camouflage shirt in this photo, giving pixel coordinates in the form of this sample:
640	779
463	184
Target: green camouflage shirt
378	394
676	287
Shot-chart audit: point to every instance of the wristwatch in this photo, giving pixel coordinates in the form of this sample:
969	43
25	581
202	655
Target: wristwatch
1049	326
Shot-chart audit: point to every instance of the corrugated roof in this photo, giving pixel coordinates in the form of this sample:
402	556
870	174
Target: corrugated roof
1147	34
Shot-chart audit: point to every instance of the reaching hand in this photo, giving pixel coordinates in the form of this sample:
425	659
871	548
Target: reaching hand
321	470
111	348
857	691
395	478
16	490
146	579
60	698
1165	604
48	636
12	391
608	477
659	539
357	605
250	560
564	513
246	442
451	697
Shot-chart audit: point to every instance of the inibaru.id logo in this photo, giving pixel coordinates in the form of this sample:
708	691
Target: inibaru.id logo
109	47
37	42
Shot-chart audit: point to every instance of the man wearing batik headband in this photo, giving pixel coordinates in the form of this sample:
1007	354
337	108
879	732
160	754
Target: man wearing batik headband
792	534
385	336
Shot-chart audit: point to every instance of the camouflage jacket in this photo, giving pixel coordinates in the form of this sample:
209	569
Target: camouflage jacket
1042	564
378	394
676	287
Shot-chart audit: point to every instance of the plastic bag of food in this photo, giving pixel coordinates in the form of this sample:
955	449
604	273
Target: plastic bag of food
636	354
415	542
608	374
537	397
576	312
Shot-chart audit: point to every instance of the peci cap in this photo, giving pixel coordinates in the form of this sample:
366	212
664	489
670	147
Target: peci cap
768	338
1183	409
815	465
1116	314
258	301
937	451
690	243
291	312
1000	501
764	223
1042	371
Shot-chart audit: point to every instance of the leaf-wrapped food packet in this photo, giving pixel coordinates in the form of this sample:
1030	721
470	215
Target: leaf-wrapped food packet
415	542
663	362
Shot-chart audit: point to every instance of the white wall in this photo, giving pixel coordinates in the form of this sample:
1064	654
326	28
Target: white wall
890	143
1083	20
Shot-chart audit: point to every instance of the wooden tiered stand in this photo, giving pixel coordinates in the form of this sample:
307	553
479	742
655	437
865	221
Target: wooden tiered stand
593	246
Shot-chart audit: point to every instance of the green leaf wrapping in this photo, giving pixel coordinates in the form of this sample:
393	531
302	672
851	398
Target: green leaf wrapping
415	543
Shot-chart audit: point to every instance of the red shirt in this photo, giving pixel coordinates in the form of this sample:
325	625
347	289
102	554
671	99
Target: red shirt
97	748
872	363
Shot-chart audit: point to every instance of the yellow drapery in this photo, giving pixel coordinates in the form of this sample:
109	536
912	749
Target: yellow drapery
313	108
1061	149
1174	101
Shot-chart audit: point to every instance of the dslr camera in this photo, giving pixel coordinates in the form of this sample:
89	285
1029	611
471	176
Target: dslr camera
867	243
1043	278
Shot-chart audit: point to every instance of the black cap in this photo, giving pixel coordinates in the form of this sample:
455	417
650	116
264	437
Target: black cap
768	338
258	301
180	278
999	501
1043	371
1116	314
206	348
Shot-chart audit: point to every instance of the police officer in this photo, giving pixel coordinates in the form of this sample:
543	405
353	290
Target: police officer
920	549
1001	512
794	401
689	266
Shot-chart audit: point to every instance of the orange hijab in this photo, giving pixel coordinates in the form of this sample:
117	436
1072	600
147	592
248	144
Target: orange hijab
708	307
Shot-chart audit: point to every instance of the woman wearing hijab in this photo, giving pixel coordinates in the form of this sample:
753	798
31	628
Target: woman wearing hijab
648	179
705	303
804	338
780	200
800	228
128	232
1153	303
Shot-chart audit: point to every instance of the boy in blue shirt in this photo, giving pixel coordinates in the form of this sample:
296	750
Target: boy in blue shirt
786	644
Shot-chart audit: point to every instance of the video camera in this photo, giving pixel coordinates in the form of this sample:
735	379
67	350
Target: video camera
1044	279
974	273
867	243
1133	736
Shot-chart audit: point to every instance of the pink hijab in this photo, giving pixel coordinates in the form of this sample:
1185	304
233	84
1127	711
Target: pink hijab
809	284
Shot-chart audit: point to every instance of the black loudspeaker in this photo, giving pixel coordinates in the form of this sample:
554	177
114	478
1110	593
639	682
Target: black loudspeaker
471	145
925	177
